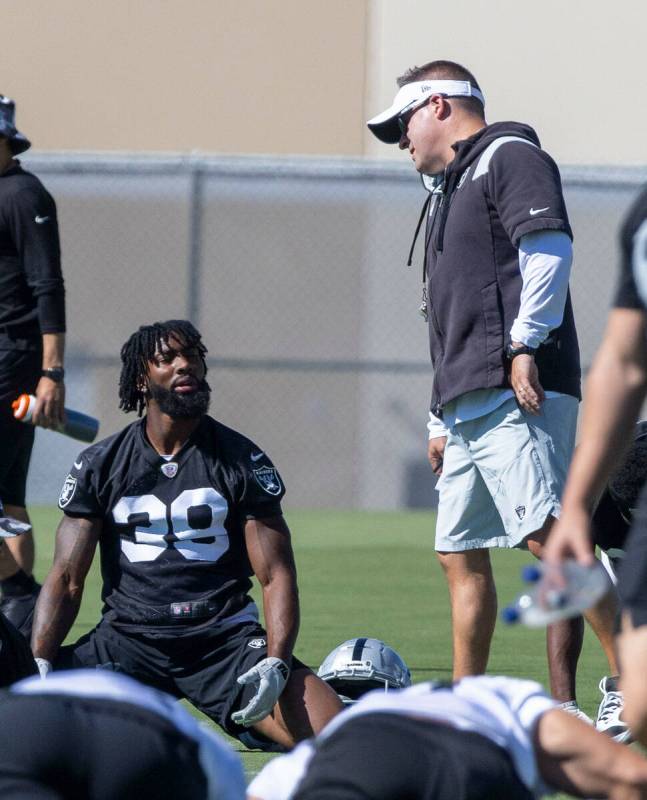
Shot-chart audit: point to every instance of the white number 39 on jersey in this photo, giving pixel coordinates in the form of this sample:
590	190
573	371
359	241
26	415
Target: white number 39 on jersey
154	532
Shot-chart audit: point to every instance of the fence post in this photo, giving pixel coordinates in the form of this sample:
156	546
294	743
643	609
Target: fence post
194	276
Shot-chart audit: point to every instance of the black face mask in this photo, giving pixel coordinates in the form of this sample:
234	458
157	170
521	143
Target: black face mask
181	406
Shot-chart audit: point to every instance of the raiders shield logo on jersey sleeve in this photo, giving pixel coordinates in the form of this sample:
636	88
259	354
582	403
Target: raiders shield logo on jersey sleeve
268	479
67	492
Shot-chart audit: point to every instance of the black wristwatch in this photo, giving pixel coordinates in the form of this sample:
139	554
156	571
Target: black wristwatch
56	374
511	351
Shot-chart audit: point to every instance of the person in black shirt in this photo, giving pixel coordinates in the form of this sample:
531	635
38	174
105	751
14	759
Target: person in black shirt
615	391
32	334
184	510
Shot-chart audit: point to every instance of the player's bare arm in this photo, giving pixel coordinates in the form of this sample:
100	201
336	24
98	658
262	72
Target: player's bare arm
60	597
270	553
615	391
276	710
574	757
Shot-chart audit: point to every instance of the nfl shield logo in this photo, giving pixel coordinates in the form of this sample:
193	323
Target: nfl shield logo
67	492
169	469
268	479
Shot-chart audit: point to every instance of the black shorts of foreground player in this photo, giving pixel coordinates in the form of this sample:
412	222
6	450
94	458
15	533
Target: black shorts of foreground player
99	736
184	510
484	737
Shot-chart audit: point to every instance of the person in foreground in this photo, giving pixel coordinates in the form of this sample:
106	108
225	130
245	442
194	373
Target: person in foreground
99	736
615	391
483	737
184	510
504	348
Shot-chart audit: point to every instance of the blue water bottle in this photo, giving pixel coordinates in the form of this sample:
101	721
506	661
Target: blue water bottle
556	592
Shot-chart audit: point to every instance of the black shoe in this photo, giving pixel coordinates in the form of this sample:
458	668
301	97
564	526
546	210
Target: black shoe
19	610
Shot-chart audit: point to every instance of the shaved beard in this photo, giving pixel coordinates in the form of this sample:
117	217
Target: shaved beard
181	406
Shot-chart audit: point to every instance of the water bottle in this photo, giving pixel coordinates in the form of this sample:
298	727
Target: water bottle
557	592
77	425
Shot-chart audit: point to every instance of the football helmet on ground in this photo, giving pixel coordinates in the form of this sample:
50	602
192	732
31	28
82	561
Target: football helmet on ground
359	665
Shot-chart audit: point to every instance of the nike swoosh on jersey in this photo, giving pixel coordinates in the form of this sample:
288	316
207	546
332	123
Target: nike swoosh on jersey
256	456
534	211
39	220
78	465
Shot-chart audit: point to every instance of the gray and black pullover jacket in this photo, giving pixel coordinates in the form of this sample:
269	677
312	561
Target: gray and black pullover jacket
499	187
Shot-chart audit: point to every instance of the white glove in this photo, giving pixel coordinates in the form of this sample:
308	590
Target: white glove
44	667
270	676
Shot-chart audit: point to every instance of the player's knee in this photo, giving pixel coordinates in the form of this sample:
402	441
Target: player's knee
307	705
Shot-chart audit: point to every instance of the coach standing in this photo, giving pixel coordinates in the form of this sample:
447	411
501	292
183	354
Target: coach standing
503	345
32	337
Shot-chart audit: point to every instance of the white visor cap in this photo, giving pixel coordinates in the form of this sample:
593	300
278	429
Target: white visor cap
411	95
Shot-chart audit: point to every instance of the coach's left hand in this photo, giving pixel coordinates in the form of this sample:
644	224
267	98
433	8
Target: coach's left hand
270	676
50	402
524	379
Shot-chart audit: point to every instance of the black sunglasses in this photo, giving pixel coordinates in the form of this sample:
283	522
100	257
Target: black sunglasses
405	116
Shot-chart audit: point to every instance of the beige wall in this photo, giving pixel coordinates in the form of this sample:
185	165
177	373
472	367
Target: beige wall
252	76
302	76
574	69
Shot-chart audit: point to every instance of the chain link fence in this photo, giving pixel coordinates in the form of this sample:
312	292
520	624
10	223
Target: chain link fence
294	271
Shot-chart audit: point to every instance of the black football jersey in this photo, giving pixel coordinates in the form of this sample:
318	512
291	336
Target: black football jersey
173	531
632	287
32	292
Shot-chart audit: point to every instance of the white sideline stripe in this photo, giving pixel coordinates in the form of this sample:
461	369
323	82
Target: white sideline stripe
486	156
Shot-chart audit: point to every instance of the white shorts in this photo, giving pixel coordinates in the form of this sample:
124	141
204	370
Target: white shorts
503	475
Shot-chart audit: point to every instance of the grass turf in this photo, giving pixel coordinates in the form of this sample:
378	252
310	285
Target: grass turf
375	574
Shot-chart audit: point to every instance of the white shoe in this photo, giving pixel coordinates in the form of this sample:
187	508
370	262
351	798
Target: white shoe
608	720
572	708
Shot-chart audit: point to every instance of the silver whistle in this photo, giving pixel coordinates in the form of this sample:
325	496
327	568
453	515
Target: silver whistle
424	308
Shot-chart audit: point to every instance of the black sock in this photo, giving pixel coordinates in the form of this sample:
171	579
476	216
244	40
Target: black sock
18	584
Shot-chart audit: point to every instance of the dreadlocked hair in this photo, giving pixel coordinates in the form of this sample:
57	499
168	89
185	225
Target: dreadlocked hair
141	348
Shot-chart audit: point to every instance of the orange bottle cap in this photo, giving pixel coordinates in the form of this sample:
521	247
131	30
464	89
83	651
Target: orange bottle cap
20	406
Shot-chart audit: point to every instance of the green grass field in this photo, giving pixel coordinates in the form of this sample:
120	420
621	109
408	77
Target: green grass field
375	574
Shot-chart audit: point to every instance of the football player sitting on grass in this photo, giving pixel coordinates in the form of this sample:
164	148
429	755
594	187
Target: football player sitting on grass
184	511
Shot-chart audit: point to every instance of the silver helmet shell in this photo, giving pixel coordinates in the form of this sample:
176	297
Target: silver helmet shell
359	665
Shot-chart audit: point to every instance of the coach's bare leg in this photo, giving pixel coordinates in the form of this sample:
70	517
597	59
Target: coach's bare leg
602	619
632	649
563	639
8	566
21	547
306	705
472	596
